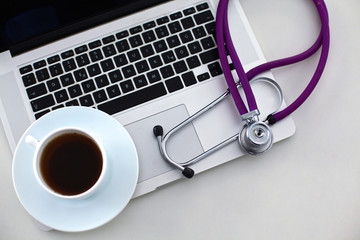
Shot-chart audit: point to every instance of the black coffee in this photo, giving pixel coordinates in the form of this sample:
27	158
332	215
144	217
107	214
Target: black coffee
71	163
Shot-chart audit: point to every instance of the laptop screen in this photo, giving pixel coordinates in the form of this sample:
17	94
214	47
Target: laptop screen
26	24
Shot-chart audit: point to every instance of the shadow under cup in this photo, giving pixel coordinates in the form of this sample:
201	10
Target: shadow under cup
69	163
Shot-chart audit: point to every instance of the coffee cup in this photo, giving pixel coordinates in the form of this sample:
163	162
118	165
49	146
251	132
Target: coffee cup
69	163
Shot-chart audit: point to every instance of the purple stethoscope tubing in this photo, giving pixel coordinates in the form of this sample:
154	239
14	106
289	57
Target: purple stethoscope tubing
224	43
255	137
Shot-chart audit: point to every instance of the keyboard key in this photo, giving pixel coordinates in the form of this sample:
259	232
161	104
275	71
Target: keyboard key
202	6
100	96
162	20
67	54
109	50
127	86
95	44
129	71
86	101
189	78
160	46
207	43
180	66
107	65
115	76
140	81
88	86
42	103
61	96
72	103
176	15
80	74
39	64
153	76
203	77
53	59
135	41
122	34
81	49
69	65
57	107
155	62
113	91
174	84
215	69
108	39
193	62
194	47
203	17
67	80
94	70
42	74
173	41
149	36
120	60
211	28
168	57
36	91
187	22
199	32
40	114
174	27
209	56
167	71
96	55
135	30
136	98
29	79
53	84
161	32
149	25
134	55
147	51
181	52
189	11
82	60
186	37
26	69
75	91
142	66
102	81
55	70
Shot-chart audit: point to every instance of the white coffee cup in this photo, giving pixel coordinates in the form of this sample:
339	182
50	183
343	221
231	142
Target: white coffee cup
69	163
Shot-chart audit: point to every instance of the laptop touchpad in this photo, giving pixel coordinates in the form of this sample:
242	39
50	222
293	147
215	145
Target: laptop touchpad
181	146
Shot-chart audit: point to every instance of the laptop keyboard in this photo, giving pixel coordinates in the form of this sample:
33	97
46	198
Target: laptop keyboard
128	68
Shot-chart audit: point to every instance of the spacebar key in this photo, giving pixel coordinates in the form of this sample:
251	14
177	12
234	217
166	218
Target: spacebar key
133	99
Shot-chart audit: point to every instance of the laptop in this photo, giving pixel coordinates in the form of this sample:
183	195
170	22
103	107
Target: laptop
144	62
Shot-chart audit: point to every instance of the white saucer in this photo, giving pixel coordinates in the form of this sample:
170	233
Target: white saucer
96	210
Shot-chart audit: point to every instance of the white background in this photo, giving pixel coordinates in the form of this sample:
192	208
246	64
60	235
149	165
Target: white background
306	187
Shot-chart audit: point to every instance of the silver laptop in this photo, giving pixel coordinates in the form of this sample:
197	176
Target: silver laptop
145	62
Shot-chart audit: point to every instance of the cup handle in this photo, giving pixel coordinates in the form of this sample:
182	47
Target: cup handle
31	141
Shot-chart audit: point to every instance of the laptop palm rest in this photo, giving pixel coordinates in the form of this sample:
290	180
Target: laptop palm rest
12	105
182	146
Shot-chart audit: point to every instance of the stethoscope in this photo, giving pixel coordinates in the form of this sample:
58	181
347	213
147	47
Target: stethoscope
256	136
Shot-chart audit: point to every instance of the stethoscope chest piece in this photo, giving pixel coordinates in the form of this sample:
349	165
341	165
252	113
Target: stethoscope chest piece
256	138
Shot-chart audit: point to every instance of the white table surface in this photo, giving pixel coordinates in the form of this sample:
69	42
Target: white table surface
306	187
